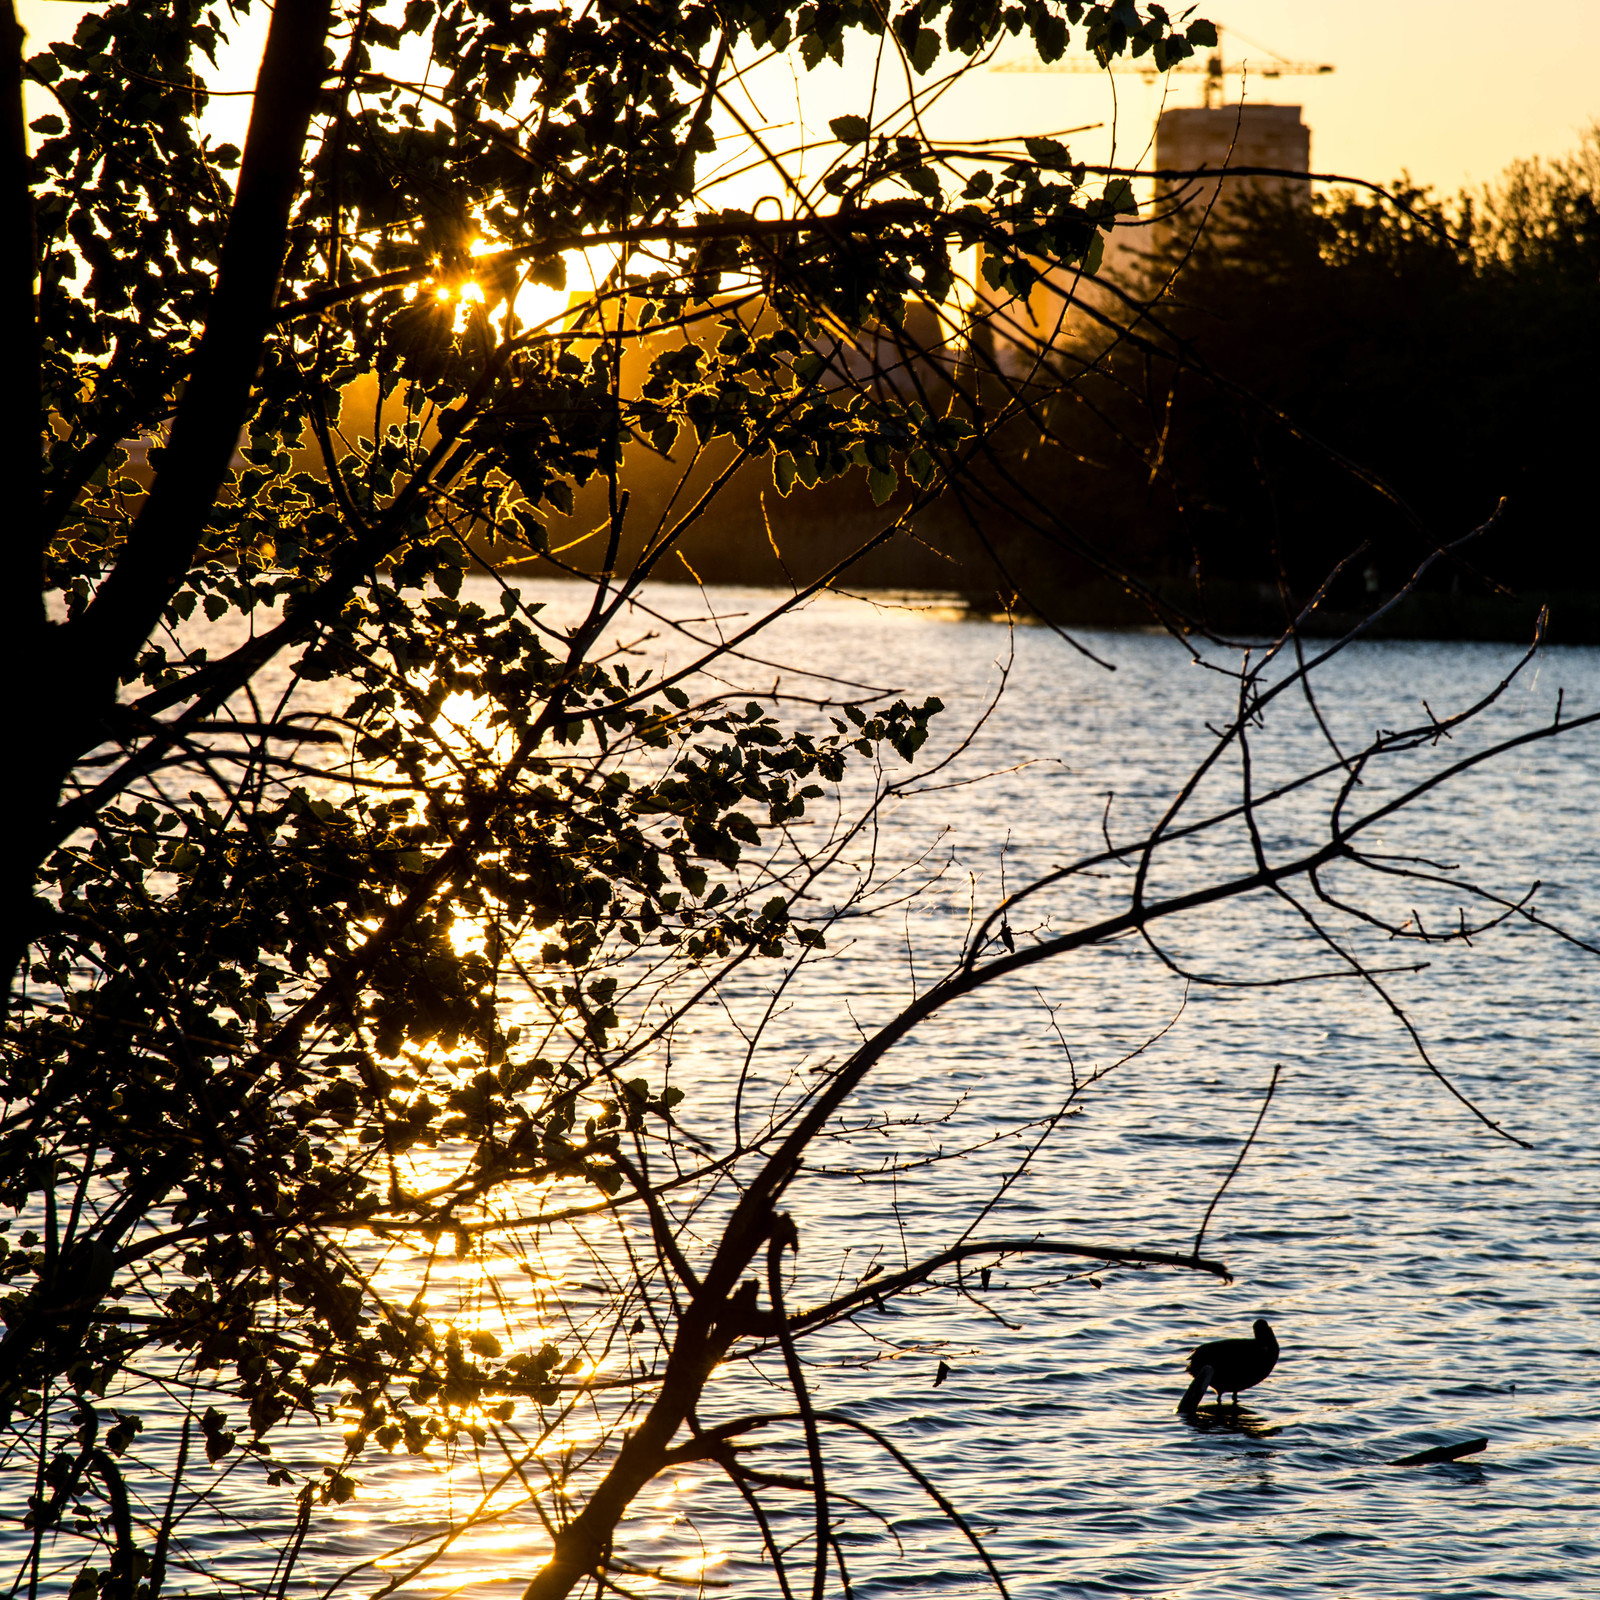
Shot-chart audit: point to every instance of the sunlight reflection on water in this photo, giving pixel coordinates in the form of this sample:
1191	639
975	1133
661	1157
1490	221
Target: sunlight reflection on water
1426	1280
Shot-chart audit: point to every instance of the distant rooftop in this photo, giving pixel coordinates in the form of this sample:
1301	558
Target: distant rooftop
1233	136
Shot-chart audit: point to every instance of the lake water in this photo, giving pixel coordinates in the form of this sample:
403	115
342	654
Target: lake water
1428	1281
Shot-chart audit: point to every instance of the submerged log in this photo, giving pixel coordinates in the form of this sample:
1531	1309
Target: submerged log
1443	1452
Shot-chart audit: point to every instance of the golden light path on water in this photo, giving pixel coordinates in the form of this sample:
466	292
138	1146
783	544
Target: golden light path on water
477	1505
470	1513
468	1518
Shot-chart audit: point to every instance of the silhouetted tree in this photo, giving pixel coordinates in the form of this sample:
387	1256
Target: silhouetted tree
351	921
1364	369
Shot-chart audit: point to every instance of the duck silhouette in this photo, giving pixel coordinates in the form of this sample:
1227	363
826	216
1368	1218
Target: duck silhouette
1229	1365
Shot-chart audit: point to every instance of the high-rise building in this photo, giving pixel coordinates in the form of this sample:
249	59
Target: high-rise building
1024	335
1189	138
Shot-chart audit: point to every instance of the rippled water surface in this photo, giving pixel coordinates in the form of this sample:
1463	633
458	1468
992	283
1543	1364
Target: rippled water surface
1428	1281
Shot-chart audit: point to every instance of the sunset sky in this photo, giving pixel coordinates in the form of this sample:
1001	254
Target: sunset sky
1450	90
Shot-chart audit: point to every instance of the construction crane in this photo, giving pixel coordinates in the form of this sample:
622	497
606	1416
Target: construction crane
1215	73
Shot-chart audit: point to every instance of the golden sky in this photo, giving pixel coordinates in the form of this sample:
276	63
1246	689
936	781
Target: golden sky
1451	90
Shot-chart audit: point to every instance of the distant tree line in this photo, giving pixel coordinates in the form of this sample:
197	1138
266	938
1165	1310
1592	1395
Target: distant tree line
1352	381
1272	393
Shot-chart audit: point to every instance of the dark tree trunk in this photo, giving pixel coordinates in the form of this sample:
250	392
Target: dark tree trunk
81	664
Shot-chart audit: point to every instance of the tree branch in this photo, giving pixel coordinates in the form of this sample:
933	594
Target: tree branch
21	468
881	1288
215	403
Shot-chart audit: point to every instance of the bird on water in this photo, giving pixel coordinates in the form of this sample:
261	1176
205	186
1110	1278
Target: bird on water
1229	1365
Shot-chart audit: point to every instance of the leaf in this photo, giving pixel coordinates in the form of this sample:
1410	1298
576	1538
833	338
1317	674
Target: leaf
1202	33
881	482
552	272
219	1441
850	130
1051	154
1119	198
532	530
1050	37
742	828
926	51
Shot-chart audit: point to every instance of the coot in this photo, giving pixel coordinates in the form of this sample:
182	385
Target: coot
1229	1365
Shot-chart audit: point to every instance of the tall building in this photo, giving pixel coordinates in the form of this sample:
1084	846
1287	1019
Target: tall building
1027	336
1222	137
